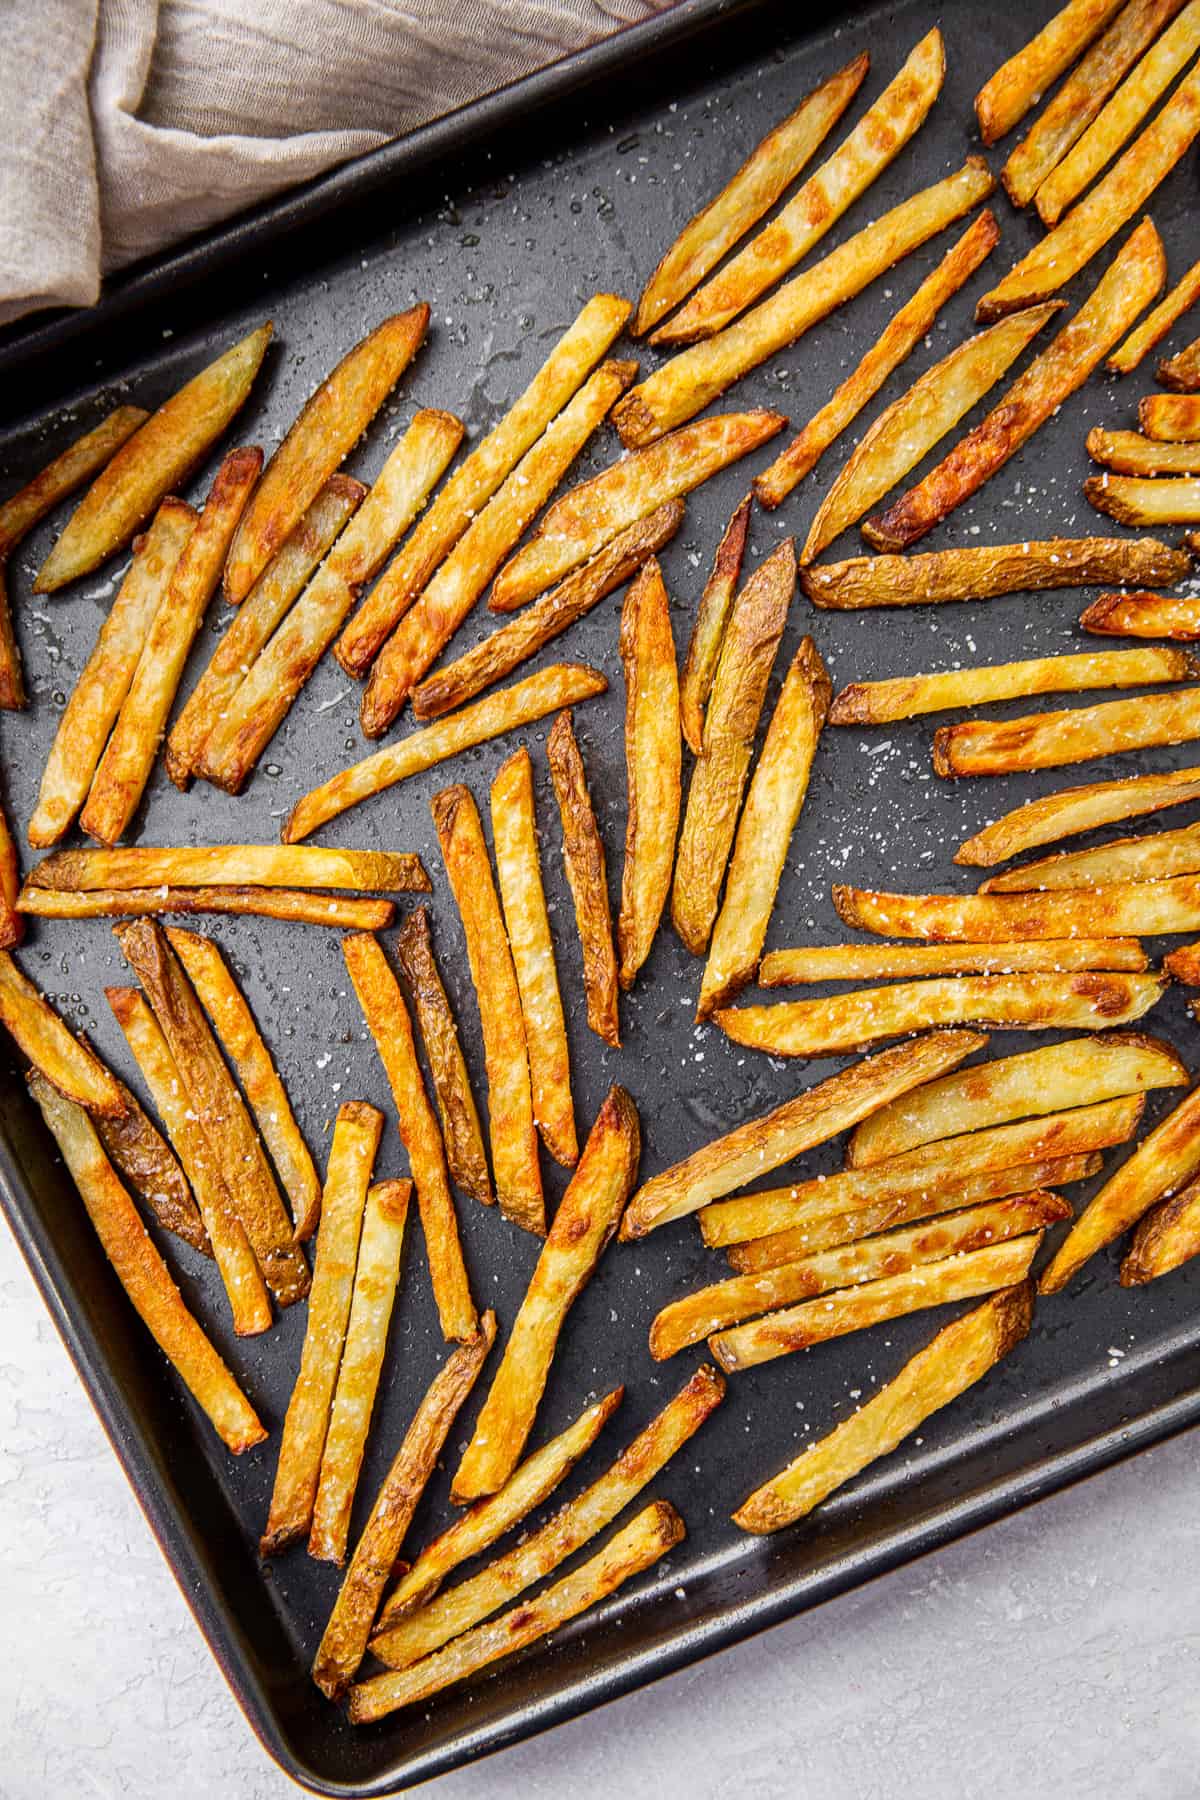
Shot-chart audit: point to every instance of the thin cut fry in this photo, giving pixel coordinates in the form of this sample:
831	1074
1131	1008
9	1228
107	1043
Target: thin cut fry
685	385
881	962
1124	859
1132	501
1181	373
251	865
145	1276
904	697
731	723
1174	616
152	463
54	1051
1074	810
375	1278
142	1155
451	1083
771	166
559	685
515	840
1175	418
344	1644
985	571
300	908
1018	84
587	877
653	760
1184	965
1051	740
12	925
510	1094
583	1225
1131	454
356	1135
389	1024
754	1148
1126	288
1127	909
1165	1237
777	790
708	632
1154	327
960	1355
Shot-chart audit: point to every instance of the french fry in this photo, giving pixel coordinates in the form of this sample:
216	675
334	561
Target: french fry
54	1051
510	1093
776	795
100	691
144	1275
356	1134
548	617
461	1134
591	515
708	632
1163	1162
249	1302
344	1643
1132	501
267	603
653	760
1181	372
1124	859
1173	418
960	1355
961	1277
1126	909
389	1024
514	838
875	142
251	865
899	337
450	1614
375	1278
1165	1237
1018	84
1081	1072
1074	810
812	1117
685	385
719	777
587	877
1145	616
1128	453
771	166
1153	328
128	758
583	1225
328	426
884	962
559	685
218	1106
1126	288
1052	740
1121	115
142	1155
910	427
299	908
12	925
986	571
263	700
906	696
1184	965
153	462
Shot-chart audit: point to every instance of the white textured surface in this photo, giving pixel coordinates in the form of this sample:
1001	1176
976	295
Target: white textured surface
1056	1654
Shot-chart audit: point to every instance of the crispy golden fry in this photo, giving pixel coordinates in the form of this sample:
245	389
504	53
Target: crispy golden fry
884	962
1173	418
387	1018
1184	965
590	515
583	1225
1144	615
771	166
506	1056
1181	373
454	1612
153	462
1133	501
985	571
12	679
812	1117
144	1275
451	1083
910	427
1165	1237
1081	1072
1126	909
731	723
875	142
777	790
708	632
142	1155
1124	859
653	761
1051	740
534	1481
559	685
218	1106
587	877
471	486
356	1134
1126	288
249	1302
1073	810
344	1644
1164	1160
299	908
54	1051
880	702
375	1278
251	865
685	385
12	925
960	1355
899	337
1131	454
1153	328
548	617
1018	84
515	840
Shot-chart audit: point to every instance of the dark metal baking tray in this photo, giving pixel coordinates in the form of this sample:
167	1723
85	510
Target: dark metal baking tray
506	217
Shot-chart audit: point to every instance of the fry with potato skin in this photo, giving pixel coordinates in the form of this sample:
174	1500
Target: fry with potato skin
885	962
906	696
139	1152
1155	326
587	877
1164	1238
1019	83
52	1048
1074	810
1153	858
298	907
1171	418
1132	501
986	571
1126	908
1128	453
1054	739
249	865
583	1226
653	760
461	1133
708	632
1181	372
